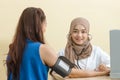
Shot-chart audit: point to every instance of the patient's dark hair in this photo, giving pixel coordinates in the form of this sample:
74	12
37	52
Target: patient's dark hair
29	27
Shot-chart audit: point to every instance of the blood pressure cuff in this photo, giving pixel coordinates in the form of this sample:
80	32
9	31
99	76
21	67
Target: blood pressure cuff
62	66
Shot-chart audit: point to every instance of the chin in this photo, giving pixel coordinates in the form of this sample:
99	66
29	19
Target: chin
79	43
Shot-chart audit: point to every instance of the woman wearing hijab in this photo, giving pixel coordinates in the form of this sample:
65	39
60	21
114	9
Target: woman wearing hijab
90	60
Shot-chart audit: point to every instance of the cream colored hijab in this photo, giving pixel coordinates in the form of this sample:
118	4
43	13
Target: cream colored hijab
74	51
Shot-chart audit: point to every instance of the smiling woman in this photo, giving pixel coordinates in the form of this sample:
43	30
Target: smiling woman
82	53
78	40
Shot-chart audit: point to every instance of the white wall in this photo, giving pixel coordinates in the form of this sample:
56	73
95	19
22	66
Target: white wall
103	16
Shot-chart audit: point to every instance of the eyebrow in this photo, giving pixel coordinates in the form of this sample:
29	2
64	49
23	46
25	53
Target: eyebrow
78	29
75	29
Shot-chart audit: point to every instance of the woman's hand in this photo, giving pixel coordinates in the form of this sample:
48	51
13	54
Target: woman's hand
104	68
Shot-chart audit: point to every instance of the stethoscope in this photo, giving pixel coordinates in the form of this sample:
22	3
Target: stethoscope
78	66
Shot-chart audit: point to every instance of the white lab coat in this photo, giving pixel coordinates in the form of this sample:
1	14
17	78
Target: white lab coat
97	57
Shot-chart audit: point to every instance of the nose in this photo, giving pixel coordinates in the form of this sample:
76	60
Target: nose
79	34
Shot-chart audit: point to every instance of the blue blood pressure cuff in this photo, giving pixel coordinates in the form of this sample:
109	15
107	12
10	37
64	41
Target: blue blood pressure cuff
62	66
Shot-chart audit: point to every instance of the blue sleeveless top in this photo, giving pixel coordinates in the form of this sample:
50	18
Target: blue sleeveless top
32	67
